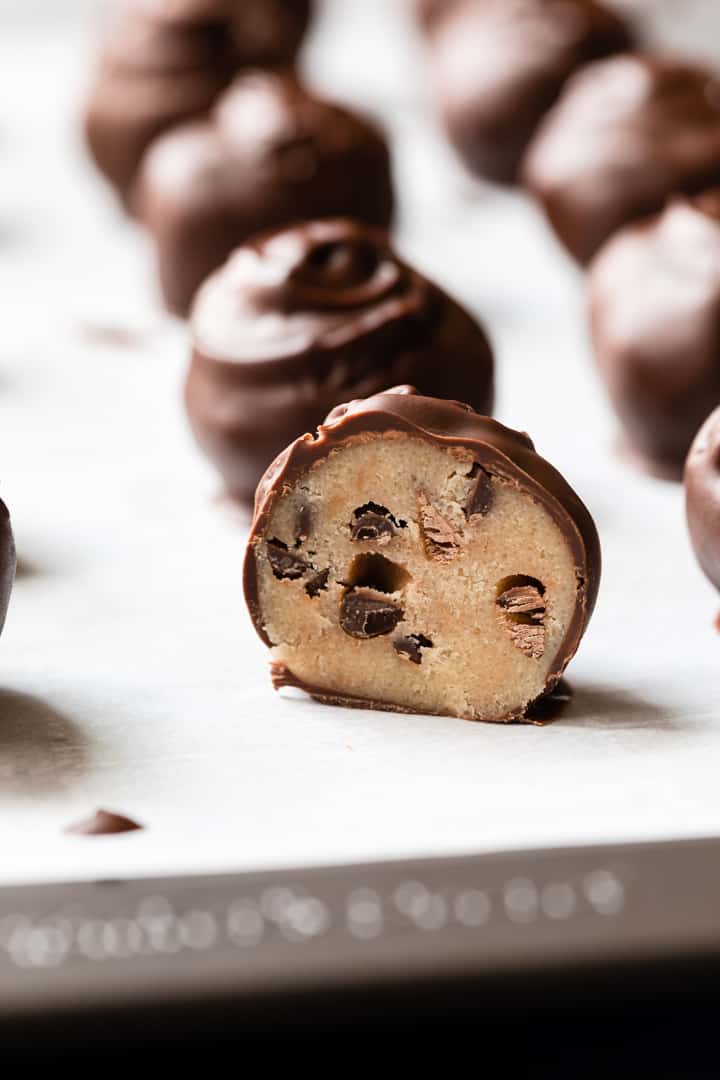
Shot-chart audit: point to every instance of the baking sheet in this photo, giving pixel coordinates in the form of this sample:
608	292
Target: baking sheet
129	675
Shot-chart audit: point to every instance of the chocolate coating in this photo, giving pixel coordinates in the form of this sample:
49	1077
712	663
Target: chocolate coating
8	562
166	61
702	496
506	453
499	65
302	319
269	155
627	133
654	294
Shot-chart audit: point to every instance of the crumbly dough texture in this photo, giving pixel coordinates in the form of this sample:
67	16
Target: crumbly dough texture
402	572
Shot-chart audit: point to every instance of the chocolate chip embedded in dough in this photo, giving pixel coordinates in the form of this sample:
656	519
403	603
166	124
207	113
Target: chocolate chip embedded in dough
285	565
481	496
317	584
365	614
375	523
410	647
522	603
441	540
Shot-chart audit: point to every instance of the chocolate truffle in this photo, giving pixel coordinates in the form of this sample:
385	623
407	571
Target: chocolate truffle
499	65
702	494
626	134
417	557
654	293
269	154
165	62
305	318
7	562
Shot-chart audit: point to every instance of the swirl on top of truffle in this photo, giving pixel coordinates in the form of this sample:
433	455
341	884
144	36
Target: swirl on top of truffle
316	286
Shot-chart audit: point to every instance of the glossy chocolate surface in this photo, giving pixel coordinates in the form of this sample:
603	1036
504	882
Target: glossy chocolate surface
499	65
654	295
627	133
166	61
498	450
7	562
304	318
269	155
702	494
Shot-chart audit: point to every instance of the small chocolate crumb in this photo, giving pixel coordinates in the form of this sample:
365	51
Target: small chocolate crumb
375	523
304	525
103	823
364	614
113	335
481	498
285	565
441	541
317	584
410	647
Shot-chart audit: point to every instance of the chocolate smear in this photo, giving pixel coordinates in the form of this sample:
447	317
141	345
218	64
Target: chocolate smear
103	823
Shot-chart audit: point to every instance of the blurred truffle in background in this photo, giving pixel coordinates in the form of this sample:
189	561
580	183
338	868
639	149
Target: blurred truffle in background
654	294
499	65
269	154
310	316
702	494
165	61
627	133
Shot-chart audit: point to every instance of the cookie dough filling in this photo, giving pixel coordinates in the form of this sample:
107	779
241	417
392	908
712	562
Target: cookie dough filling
401	570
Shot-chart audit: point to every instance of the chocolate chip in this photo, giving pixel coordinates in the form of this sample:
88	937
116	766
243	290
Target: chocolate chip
481	497
285	565
522	602
440	539
364	614
409	647
317	584
372	522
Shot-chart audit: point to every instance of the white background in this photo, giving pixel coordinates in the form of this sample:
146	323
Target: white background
129	675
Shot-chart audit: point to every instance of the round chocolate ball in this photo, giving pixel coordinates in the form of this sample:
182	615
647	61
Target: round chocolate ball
627	133
164	62
702	496
268	155
499	65
307	317
654	295
7	562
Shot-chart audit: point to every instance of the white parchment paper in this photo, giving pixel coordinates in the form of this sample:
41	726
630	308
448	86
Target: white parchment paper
129	675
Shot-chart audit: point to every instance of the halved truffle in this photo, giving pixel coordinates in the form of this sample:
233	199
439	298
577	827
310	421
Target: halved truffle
472	608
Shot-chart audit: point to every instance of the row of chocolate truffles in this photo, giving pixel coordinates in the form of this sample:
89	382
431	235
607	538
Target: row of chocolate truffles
162	62
254	151
550	93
